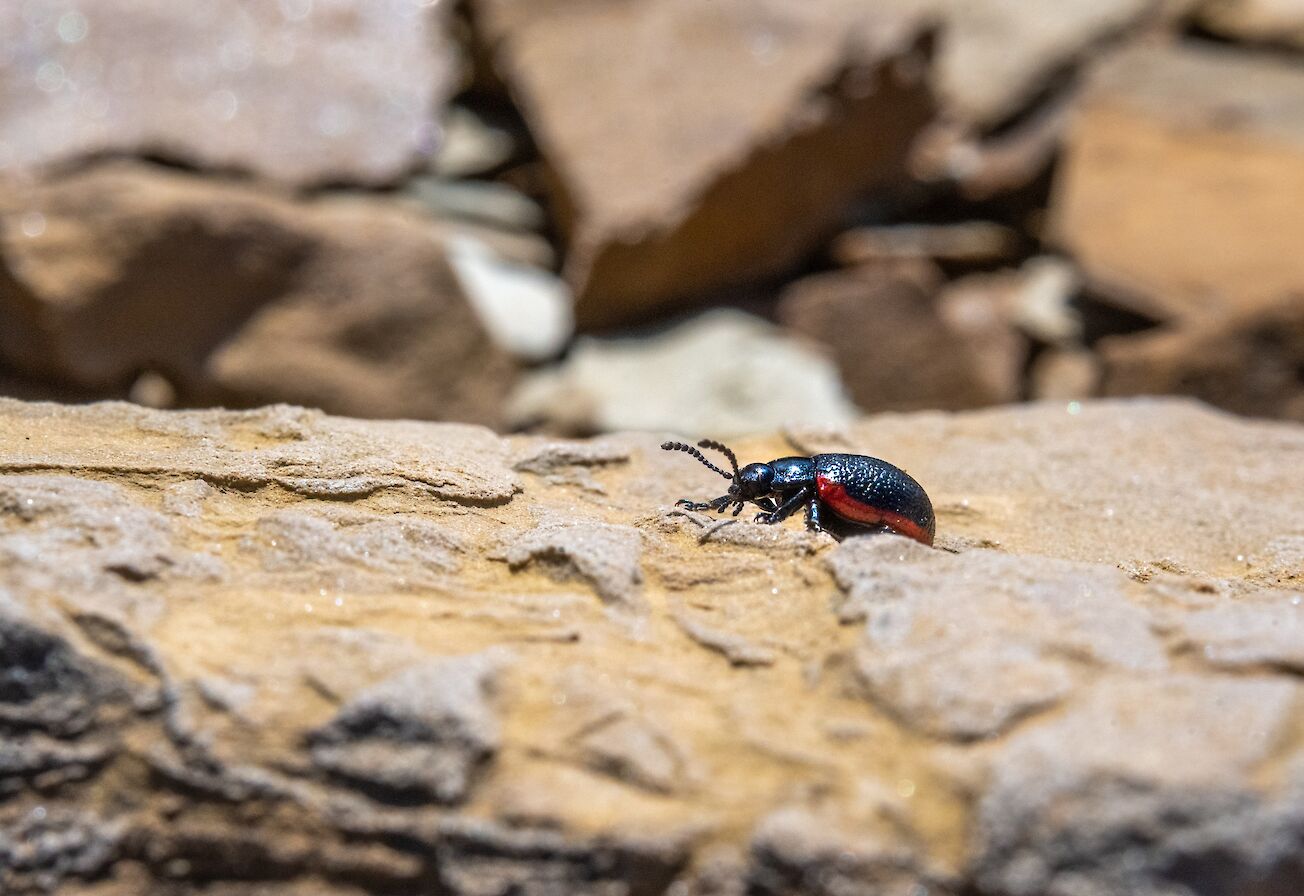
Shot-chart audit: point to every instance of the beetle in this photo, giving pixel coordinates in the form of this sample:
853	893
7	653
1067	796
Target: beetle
859	492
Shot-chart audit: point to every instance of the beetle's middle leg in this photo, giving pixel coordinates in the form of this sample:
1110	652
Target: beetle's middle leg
813	516
786	509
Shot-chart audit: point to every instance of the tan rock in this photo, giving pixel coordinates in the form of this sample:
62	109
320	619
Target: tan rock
693	164
303	92
900	346
279	651
237	295
1177	193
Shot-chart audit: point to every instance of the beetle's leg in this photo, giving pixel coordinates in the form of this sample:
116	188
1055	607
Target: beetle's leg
786	509
765	503
716	504
813	516
814	523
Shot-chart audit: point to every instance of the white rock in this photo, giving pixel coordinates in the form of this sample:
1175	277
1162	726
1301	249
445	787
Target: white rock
527	311
723	373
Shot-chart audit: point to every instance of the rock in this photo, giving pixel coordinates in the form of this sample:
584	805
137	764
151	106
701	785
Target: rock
1269	21
42	849
277	650
999	485
750	140
972	242
901	347
984	166
1248	363
719	374
380	328
1163	138
339	91
1064	374
607	557
635	752
994	57
527	311
796	850
480	201
471	146
964	647
107	288
1093	802
422	735
239	296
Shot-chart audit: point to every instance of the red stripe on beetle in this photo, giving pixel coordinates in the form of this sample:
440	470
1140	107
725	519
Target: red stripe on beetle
835	495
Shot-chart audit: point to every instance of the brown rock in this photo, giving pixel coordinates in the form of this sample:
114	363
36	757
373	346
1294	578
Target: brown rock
1250	363
278	651
1177	194
694	164
303	92
377	325
234	295
901	346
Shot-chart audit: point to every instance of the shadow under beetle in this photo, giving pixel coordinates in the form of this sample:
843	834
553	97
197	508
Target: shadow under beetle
859	493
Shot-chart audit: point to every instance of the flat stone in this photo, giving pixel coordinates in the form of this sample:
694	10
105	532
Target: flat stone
243	650
339	91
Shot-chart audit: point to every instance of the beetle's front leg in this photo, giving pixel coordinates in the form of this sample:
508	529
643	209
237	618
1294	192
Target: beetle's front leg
716	504
786	509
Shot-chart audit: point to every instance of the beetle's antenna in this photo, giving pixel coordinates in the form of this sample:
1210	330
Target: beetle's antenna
733	460
689	449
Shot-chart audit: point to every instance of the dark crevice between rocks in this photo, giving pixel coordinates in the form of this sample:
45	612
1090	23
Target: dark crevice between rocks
1102	317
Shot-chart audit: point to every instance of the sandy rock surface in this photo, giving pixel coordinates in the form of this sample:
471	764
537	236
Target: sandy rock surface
304	91
276	651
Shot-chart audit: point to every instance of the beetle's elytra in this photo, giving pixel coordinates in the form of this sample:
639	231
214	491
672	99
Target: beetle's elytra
857	491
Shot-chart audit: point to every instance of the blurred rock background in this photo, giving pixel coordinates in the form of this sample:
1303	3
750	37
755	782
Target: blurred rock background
713	217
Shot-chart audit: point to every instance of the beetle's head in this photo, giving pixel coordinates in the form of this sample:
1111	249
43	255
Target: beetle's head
752	481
